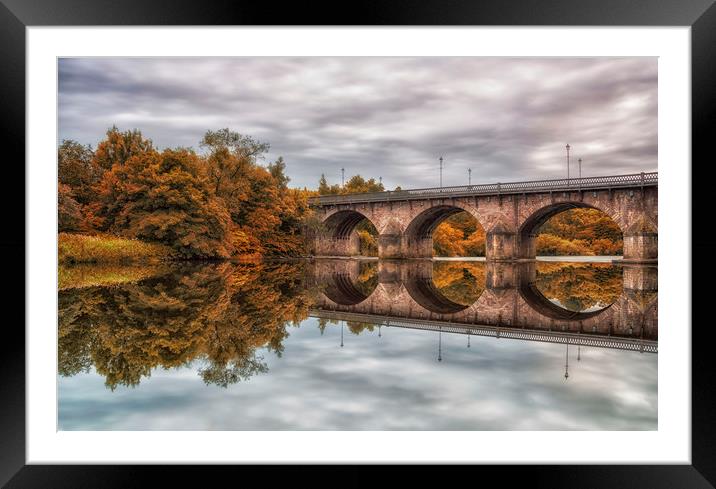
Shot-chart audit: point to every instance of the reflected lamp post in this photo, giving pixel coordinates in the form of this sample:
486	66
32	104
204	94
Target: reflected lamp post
440	345
566	363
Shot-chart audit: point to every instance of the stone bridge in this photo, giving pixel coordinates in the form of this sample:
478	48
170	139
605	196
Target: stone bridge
510	301
510	214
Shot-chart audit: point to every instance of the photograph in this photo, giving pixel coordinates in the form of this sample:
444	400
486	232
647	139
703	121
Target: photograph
357	243
260	237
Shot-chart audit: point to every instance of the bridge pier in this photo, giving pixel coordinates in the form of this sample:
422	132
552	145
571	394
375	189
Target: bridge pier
390	246
641	247
329	246
501	245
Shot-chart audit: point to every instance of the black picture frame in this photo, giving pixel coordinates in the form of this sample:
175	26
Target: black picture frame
16	15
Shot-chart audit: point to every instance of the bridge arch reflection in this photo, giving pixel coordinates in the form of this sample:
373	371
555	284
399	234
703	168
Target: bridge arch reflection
536	299
351	282
424	292
513	297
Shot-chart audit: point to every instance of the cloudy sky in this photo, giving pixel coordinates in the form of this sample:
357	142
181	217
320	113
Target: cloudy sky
506	118
391	382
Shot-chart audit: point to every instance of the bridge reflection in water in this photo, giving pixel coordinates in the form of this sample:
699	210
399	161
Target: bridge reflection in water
586	304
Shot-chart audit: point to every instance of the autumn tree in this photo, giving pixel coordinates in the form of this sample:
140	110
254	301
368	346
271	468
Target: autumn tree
459	235
118	147
77	169
355	185
266	215
165	197
580	232
358	185
69	211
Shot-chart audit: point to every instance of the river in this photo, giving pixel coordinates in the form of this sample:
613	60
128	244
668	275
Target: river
359	345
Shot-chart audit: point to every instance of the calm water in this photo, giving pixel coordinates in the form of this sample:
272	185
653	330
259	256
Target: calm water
350	345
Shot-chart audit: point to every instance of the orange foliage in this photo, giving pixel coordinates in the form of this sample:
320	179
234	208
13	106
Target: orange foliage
215	206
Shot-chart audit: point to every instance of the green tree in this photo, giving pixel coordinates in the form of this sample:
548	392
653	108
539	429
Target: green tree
277	170
323	187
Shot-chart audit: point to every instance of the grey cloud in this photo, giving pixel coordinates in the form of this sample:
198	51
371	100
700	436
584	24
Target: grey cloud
388	383
506	118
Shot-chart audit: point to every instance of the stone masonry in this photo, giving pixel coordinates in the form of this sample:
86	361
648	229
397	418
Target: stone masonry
510	222
508	300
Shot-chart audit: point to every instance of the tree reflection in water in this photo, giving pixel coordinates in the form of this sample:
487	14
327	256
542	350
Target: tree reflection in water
580	287
221	313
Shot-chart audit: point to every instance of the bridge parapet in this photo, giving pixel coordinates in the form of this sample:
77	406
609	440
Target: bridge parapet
642	179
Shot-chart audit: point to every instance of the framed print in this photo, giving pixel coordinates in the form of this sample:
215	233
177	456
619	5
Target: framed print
414	237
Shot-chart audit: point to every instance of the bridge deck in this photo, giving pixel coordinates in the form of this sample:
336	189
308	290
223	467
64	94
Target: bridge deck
583	339
634	180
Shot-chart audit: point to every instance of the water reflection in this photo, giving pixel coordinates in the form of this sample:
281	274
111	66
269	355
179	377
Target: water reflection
220	313
230	323
591	300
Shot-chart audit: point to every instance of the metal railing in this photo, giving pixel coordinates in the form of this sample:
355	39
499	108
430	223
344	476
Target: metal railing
634	180
583	339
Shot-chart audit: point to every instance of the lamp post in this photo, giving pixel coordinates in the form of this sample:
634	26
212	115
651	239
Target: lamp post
441	171
567	164
343	177
580	168
469	176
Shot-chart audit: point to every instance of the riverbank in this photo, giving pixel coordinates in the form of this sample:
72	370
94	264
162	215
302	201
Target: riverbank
107	249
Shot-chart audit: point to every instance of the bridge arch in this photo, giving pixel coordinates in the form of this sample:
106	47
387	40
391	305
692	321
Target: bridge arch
337	236
527	232
418	235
